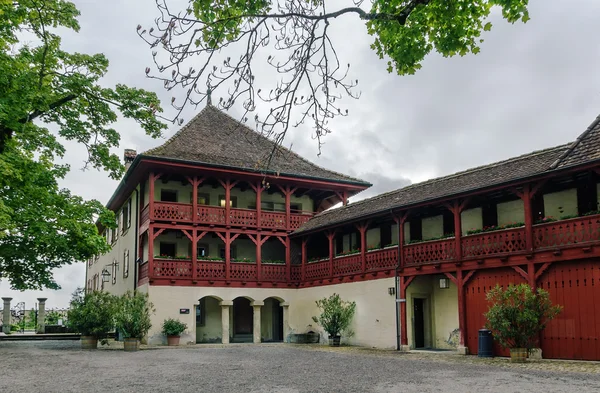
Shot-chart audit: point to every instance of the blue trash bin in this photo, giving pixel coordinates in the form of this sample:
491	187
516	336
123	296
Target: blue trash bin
486	341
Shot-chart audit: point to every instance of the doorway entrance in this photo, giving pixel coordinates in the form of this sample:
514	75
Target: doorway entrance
419	322
242	320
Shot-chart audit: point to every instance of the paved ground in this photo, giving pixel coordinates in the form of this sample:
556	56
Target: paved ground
63	367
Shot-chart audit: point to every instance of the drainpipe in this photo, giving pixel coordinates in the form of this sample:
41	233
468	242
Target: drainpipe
396	301
136	262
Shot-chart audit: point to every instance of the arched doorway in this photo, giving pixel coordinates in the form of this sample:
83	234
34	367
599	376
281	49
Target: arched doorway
243	320
272	320
209	328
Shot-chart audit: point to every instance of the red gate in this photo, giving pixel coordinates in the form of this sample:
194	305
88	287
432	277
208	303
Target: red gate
575	333
476	304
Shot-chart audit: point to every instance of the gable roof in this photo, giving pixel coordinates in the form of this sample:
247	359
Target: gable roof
215	138
584	150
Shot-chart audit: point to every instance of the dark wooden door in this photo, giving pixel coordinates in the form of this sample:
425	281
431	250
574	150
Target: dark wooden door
419	323
242	316
277	313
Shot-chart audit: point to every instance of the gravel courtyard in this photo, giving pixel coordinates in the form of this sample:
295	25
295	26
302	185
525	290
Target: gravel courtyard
63	367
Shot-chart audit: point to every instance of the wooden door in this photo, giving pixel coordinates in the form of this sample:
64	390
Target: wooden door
419	323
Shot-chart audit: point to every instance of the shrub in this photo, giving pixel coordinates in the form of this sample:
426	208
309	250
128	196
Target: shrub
91	314
517	315
173	327
132	316
336	314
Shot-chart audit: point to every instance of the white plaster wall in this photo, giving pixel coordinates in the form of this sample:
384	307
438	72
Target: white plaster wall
445	315
471	219
394	234
125	242
406	232
211	331
432	227
373	237
561	203
509	212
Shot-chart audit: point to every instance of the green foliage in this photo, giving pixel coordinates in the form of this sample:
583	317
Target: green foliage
91	314
336	314
517	315
52	317
132	316
173	327
49	95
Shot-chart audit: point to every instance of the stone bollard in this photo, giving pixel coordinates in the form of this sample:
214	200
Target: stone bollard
41	325
6	315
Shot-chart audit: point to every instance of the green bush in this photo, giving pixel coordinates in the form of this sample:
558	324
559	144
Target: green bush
517	315
132	316
91	314
173	327
336	315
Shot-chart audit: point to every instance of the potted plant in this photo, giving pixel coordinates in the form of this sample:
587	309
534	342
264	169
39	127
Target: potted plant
335	318
516	317
91	315
172	328
132	318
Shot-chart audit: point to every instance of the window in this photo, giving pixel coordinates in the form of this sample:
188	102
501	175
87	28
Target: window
201	313
168	249
272	206
232	252
114	235
232	201
203	199
168	195
126	216
126	264
201	250
296	207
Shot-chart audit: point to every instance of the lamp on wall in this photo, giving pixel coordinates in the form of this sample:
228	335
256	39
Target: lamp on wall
444	283
392	291
105	275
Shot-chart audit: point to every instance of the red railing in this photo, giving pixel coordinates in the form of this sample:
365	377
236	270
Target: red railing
242	271
296	220
210	270
242	217
172	269
567	232
350	264
429	251
490	243
296	273
315	270
382	259
143	271
272	220
172	211
145	214
211	215
273	272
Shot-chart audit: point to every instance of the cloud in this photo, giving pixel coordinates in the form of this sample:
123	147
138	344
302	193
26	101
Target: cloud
532	86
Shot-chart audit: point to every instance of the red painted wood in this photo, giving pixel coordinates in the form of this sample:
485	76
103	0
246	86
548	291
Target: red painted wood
243	271
145	215
296	273
429	251
151	179
304	259
172	269
151	249
575	333
274	272
526	197
143	273
258	244
457	230
243	217
567	232
330	238
273	220
476	304
494	243
173	211
317	270
211	215
362	229
351	264
382	259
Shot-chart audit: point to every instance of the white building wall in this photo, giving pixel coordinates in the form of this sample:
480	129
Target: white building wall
471	219
509	212
432	227
561	203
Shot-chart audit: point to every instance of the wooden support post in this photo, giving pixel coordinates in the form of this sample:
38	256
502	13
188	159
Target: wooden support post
331	236
404	283
150	249
457	232
195	182
227	185
258	188
304	258
362	229
258	244
151	179
529	191
287	192
194	253
288	259
400	221
531	279
462	317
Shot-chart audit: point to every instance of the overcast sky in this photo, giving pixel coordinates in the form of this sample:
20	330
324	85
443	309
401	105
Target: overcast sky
532	86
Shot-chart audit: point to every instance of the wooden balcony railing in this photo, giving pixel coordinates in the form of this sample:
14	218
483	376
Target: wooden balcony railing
215	215
582	230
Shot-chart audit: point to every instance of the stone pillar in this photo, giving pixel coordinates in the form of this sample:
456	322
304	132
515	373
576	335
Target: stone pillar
6	315
256	328
225	305
286	320
41	320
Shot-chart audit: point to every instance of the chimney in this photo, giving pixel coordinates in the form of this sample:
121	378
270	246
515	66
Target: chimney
128	157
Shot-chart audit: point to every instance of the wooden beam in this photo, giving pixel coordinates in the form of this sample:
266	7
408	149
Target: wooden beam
541	270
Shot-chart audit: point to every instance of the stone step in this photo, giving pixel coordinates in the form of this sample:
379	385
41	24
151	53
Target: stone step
242	338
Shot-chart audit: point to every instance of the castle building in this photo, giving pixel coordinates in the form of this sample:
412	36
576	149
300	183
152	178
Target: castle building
241	254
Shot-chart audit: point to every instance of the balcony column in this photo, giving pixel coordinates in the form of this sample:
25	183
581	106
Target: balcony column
460	280
6	315
258	188
286	320
225	307
457	208
400	221
362	229
227	185
331	236
304	259
151	180
526	197
287	192
256	329
195	182
404	283
258	243
194	253
150	251
41	320
288	259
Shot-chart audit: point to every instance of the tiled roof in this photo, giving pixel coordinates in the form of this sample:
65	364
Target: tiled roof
585	148
213	137
472	179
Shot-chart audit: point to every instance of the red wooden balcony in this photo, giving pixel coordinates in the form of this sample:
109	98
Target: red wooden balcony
493	243
349	264
215	215
429	251
567	232
382	259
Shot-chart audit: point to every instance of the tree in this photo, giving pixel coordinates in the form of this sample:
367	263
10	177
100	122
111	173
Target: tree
52	317
48	95
214	46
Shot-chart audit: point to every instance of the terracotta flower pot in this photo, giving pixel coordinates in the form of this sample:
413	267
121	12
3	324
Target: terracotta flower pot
131	344
89	342
334	341
172	341
518	355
